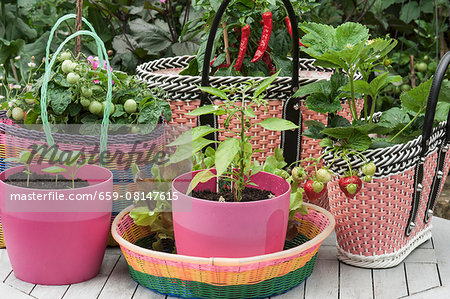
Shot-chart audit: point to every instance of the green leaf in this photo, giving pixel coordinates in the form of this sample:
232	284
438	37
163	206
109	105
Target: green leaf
322	87
337	81
14	160
410	11
339	132
225	154
186	151
118	110
360	86
59	98
141	216
265	84
351	34
191	70
54	169
321	104
148	116
207	109
359	141
382	81
24	157
442	110
193	134
314	129
393	118
326	142
200	177
249	112
277	124
415	100
214	91
339	121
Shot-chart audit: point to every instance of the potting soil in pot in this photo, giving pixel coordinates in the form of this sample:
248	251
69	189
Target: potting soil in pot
249	194
43	181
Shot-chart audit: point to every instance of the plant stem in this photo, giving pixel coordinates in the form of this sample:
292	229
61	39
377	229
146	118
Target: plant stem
241	167
28	176
404	128
372	109
365	109
352	90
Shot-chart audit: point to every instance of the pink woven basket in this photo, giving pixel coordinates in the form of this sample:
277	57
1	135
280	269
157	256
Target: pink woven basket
390	216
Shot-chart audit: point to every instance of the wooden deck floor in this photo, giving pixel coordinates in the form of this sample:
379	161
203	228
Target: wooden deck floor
424	274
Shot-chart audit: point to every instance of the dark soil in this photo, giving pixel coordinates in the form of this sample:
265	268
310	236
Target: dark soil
249	194
43	181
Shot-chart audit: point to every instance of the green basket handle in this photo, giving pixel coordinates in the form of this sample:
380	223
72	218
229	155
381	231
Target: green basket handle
52	33
107	110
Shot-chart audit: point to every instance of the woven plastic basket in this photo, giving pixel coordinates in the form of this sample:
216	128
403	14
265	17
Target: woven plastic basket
15	138
390	216
185	96
254	277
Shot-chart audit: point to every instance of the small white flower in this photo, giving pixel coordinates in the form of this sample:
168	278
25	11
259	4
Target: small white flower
1	77
369	42
1	97
1	84
348	46
17	86
1	65
11	86
28	87
32	64
10	104
17	57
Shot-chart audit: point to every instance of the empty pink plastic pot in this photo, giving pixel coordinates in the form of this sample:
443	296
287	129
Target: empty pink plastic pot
60	238
230	229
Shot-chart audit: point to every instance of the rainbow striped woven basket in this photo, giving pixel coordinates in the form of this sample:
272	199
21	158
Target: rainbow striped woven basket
253	277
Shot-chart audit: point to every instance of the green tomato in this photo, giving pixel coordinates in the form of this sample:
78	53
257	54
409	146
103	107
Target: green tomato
85	102
104	106
432	67
95	107
422	67
65	56
73	78
405	87
30	101
67	66
17	114
86	92
130	106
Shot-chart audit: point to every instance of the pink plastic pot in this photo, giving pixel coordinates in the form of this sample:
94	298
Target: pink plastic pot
57	242
230	229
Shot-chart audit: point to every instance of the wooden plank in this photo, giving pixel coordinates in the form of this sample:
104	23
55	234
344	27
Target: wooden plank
330	240
92	288
49	292
144	293
323	282
355	282
327	252
10	292
421	255
23	286
441	240
390	283
119	285
5	265
296	293
439	292
421	277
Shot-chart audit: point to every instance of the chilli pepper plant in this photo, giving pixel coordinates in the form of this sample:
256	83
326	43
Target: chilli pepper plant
356	58
76	90
255	40
233	157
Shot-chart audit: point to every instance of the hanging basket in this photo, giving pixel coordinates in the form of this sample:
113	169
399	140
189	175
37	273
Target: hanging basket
15	138
193	277
391	215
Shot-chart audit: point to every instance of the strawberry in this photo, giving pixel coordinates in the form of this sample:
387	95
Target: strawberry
350	185
323	175
311	187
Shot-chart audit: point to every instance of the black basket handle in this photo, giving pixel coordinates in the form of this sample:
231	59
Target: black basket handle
433	98
289	113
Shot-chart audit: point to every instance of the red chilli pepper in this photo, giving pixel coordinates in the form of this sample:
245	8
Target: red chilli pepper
265	37
289	29
268	62
243	47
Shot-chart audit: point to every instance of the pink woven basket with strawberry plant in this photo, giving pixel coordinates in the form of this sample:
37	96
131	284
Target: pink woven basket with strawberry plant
379	223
